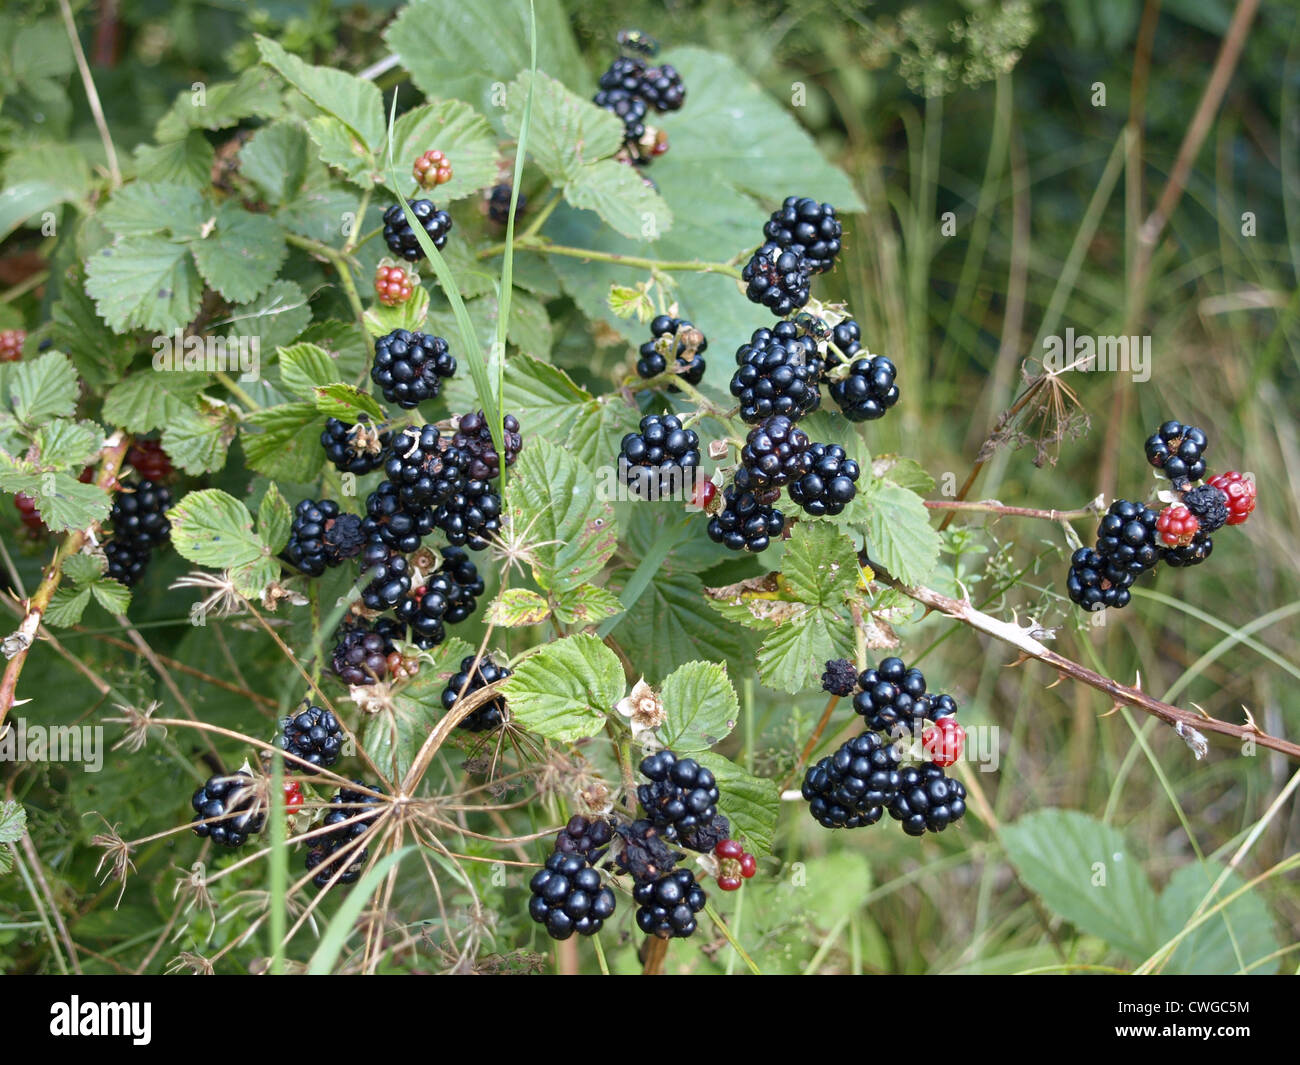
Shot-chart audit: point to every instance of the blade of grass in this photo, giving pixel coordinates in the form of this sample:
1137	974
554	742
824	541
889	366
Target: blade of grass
644	574
342	923
279	869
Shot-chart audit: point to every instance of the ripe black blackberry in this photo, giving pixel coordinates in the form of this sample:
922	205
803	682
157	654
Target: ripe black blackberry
1127	537
388	574
1192	554
629	108
313	734
868	391
654	461
662	88
927	800
471	515
585	839
491	715
568	897
891	696
425	467
625	73
743	523
355	448
235	803
326	850
321	536
463	601
937	707
410	367
388	521
139	514
643	853
126	562
681	794
809	229
498	205
400	237
678	338
840	677
830	484
1209	504
776	278
473	438
667	906
706	835
361	654
774	377
1093	583
775	453
425	610
852	787
1179	450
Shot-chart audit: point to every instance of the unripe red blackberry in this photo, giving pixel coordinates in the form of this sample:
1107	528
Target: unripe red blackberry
431	169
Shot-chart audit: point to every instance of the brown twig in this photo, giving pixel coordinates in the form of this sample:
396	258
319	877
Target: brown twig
813	740
992	506
1026	641
110	462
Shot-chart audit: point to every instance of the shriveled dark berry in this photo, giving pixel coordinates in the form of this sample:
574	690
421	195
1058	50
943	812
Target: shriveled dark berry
840	677
322	536
706	835
644	853
1209	504
356	449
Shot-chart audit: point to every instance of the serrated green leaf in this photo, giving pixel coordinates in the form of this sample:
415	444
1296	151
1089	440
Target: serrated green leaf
49	161
304	367
64	503
214	529
700	704
354	101
542	396
255	93
820	565
28	199
42	388
555	498
340	148
251	578
277	317
624	202
144	283
899	534
187	161
347	402
67	607
148	401
198	437
13	821
460	133
274	519
1085	873
112	596
671	622
241	254
82	569
587	604
63	443
276	159
288	446
463	51
147	208
599	429
566	689
1239	935
517	608
751	803
100	355
904	472
567	131
796	652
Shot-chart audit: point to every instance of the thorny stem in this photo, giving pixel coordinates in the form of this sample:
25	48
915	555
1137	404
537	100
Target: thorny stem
1026	641
110	462
545	247
992	506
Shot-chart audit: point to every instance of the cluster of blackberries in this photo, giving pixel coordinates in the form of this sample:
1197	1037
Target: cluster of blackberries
631	88
334	854
229	809
475	674
660	460
401	238
1133	538
314	735
410	367
678	340
139	523
801	238
322	536
865	778
357	449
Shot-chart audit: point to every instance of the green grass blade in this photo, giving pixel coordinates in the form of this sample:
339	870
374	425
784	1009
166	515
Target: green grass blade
341	924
